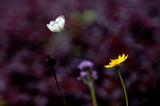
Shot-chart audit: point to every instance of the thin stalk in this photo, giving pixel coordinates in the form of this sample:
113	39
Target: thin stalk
90	84
92	93
65	104
123	87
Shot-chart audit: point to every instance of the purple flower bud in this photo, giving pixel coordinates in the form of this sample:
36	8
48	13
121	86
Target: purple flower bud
78	78
85	64
94	75
82	73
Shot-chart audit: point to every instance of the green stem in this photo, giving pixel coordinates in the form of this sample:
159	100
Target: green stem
123	87
64	102
90	84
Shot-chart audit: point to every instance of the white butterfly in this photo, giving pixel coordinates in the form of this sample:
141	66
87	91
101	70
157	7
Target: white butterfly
57	25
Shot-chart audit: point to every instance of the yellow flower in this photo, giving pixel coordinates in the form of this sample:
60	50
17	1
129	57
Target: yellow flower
116	63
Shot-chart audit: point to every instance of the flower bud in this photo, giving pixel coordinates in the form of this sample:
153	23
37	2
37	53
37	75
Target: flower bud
85	65
50	61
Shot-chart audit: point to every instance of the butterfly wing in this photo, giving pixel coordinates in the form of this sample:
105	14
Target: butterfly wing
53	26
60	21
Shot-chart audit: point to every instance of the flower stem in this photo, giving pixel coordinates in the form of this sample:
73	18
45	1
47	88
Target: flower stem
123	87
65	104
90	84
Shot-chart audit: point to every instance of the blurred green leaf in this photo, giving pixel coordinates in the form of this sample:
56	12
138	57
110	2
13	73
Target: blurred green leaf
78	50
76	16
89	16
3	103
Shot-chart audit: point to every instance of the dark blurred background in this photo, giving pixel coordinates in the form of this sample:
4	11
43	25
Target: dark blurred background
95	30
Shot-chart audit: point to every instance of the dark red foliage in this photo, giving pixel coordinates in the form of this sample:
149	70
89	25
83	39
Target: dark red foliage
131	27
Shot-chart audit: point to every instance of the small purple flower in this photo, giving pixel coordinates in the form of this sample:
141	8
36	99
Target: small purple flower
82	75
78	78
85	64
94	75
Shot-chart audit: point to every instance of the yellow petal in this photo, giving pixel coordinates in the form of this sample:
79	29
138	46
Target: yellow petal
125	58
123	55
108	66
119	57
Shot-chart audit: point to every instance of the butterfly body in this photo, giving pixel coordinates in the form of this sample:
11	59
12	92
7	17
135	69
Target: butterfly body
57	25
